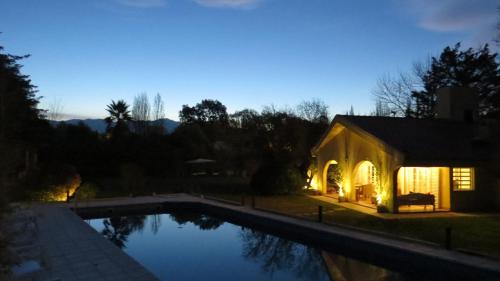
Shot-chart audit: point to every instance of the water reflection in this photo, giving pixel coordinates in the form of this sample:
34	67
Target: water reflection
244	249
346	269
277	254
155	223
202	221
117	229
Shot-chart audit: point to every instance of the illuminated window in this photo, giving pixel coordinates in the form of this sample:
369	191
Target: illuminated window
463	179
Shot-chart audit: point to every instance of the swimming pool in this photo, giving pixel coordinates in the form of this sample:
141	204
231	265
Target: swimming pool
191	246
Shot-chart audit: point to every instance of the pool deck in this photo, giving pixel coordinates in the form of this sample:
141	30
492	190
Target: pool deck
72	250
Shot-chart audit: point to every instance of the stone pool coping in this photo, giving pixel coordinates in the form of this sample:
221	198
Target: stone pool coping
70	249
407	256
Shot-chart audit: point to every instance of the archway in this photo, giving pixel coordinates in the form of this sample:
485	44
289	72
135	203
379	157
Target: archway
365	182
331	178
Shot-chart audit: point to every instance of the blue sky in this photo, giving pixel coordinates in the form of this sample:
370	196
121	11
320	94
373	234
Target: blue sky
245	53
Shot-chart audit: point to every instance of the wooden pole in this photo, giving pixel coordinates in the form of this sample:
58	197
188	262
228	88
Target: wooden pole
447	241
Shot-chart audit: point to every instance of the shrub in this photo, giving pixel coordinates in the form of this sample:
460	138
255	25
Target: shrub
87	191
60	181
274	178
132	177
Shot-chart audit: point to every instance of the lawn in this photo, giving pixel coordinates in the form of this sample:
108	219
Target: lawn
478	234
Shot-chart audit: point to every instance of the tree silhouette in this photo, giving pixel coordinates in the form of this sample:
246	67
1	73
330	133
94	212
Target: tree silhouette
208	111
203	222
315	111
141	114
476	69
22	129
277	254
119	115
19	114
117	229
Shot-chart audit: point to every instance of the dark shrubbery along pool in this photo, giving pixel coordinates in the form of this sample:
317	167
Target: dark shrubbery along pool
193	246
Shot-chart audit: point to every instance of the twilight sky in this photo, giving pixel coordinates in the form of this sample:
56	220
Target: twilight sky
245	53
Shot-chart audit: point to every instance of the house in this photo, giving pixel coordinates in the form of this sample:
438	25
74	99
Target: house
408	164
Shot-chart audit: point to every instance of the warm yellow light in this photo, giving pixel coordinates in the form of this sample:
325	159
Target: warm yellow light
313	181
341	191
381	198
463	179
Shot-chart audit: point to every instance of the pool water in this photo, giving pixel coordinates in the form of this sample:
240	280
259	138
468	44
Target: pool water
193	246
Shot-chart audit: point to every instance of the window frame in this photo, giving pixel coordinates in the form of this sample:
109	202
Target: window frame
458	186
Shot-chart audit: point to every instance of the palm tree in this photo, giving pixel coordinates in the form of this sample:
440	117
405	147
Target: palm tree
119	115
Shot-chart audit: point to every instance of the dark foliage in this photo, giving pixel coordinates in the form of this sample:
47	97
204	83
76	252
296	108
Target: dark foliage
208	111
275	142
274	254
119	116
476	69
19	115
203	222
22	130
276	176
118	229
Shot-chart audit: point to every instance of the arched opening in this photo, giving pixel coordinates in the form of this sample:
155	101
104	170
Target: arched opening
331	178
365	182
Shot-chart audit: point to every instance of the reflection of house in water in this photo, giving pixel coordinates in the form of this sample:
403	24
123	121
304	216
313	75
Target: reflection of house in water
406	164
341	268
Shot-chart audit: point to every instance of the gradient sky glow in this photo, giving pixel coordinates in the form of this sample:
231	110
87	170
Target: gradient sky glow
245	53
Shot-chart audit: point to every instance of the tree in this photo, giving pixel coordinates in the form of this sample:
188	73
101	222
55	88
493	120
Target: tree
351	111
476	69
19	115
55	109
208	111
119	116
245	119
382	110
141	113
188	114
22	130
141	108
393	95
158	111
315	111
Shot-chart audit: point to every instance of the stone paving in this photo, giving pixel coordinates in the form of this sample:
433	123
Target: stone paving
72	250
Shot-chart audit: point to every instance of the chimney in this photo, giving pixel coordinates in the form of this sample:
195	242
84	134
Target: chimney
456	103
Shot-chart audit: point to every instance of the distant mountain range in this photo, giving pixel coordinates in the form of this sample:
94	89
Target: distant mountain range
99	125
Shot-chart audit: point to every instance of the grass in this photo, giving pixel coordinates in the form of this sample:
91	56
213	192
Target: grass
478	234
